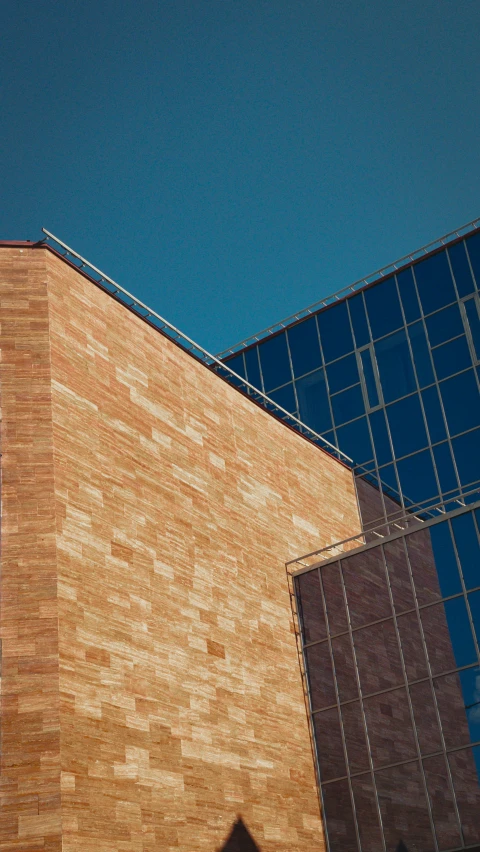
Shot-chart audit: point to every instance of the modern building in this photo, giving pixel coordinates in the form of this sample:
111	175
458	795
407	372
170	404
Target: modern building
175	676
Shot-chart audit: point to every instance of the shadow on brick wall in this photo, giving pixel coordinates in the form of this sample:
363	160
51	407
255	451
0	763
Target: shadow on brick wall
240	839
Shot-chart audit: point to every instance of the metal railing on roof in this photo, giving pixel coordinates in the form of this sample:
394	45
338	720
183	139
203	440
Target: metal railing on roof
474	225
212	361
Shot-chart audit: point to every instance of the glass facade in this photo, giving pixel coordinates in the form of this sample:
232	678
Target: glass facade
390	375
390	639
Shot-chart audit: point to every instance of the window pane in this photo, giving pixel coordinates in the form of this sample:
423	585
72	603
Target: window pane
434	282
461	402
389	727
445	469
335	332
471	310
433	413
304	347
253	369
425	715
332	587
461	269
444	325
343	373
339	817
344	667
448	635
313	402
378	657
237	365
354	732
381	441
408	294
320	675
354	440
451	706
470	680
383	308
465	767
417	478
395	366
404	808
307	587
329	741
473	249
412	646
467	457
407	427
275	362
452	357
359	319
365	580
369	377
468	550
474	601
442	803
285	398
445	561
398	571
421	355
367	814
347	405
425	577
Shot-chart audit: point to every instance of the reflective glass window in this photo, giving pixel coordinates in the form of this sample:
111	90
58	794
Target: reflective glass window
445	469
448	635
442	803
348	404
470	680
426	720
461	269
332	587
448	692
343	373
399	574
304	347
421	354
466	540
467	457
359	319
461	402
368	374
365	579
417	477
389	481
330	745
383	308
339	817
473	249
395	366
335	332
378	657
433	413
253	368
474	602
445	560
434	282
412	646
422	562
344	667
472	309
320	675
444	325
285	397
307	587
407	427
313	401
354	732
381	441
404	809
237	365
389	726
465	768
275	362
408	294
367	814
354	440
451	357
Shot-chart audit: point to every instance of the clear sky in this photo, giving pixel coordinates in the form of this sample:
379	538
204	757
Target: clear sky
232	161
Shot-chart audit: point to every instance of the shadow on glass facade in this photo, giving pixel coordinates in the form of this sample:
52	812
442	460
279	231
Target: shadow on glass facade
389	375
390	636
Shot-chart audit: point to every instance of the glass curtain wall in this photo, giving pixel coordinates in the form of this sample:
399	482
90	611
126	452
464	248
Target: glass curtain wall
390	638
390	375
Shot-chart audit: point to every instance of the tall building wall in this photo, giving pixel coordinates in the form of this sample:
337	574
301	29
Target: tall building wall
151	693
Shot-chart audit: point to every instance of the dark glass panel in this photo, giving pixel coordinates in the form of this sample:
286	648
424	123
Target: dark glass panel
434	282
354	732
465	768
404	809
421	354
381	440
359	320
389	727
399	574
442	803
452	357
422	562
237	365
445	469
383	308
307	587
425	715
367	814
390	486
461	269
467	456
468	550
369	378
412	646
444	325
253	368
365	580
408	294
433	413
332	587
347	405
354	440
335	332
445	561
473	249
395	366
448	635
339	817
343	373
470	680
344	667
320	675
407	427
461	402
313	401
417	478
275	362
473	319
474	601
378	657
448	691
329	741
304	347
285	398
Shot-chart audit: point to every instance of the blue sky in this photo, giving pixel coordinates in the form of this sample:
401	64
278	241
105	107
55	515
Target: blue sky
232	162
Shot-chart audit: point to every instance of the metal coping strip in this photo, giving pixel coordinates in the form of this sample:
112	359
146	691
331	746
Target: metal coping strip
207	358
474	225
